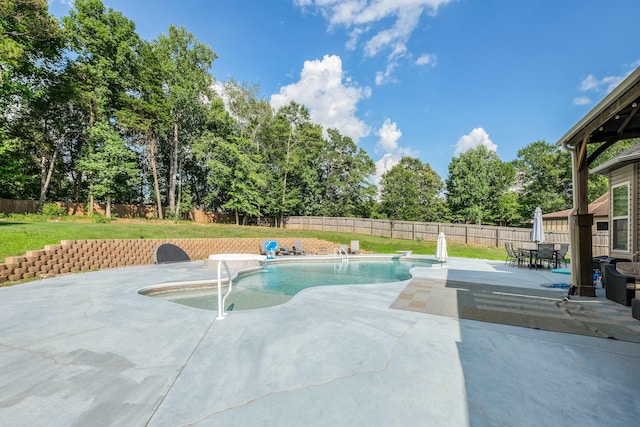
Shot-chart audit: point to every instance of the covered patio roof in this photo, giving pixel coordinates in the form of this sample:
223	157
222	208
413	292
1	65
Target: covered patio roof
615	118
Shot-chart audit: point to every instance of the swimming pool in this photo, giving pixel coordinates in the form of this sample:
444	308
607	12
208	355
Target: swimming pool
277	283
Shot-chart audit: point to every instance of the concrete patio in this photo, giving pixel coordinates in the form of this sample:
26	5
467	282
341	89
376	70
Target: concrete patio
86	349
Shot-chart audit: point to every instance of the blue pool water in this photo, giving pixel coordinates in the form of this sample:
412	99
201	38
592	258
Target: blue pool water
277	283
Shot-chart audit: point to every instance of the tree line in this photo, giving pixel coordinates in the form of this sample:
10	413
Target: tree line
90	111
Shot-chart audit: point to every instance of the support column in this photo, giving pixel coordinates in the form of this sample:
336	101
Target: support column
581	228
582	255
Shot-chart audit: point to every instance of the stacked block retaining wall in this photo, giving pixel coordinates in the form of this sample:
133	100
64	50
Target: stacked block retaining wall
74	256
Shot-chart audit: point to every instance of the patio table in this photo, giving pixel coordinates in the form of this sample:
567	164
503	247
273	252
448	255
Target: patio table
533	251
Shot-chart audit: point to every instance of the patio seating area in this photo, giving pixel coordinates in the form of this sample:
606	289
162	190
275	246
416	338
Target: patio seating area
553	255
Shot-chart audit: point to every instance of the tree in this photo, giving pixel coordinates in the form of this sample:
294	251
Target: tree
288	139
304	173
145	115
251	113
185	65
544	174
30	48
234	177
30	39
410	191
105	44
343	181
477	180
244	190
508	209
599	184
111	163
56	119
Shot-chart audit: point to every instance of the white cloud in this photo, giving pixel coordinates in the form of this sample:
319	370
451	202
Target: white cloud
473	139
354	36
396	37
332	99
393	62
582	100
389	135
607	83
588	83
383	25
386	76
602	85
385	163
426	59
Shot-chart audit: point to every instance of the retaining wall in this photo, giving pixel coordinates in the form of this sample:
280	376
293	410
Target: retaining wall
74	256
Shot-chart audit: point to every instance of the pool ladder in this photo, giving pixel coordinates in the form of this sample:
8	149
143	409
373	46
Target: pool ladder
221	299
342	252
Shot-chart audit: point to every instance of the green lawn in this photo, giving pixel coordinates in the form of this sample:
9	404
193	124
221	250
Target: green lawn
19	234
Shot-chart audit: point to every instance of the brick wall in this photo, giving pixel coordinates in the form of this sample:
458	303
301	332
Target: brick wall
73	256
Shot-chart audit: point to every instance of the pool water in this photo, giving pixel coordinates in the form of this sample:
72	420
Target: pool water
278	283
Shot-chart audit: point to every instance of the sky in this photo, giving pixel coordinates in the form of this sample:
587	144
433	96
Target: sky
422	78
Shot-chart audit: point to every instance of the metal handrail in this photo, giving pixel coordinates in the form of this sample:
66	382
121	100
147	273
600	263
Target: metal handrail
222	261
221	299
340	250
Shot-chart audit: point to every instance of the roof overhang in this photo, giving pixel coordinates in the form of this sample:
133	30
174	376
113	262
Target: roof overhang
615	163
613	119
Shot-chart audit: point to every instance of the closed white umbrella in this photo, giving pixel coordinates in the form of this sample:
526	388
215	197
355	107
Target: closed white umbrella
537	231
441	248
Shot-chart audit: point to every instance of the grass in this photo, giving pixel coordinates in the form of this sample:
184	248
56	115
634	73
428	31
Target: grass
21	233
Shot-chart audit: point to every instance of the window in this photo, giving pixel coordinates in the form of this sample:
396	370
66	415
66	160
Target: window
620	219
602	226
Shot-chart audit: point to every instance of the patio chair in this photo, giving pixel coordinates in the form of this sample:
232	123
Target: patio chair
263	250
355	247
284	250
298	249
618	286
545	252
561	254
513	256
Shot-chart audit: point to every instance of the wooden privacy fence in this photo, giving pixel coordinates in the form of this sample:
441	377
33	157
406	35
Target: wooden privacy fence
9	206
468	234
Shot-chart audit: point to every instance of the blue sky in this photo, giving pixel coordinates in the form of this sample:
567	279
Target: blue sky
425	78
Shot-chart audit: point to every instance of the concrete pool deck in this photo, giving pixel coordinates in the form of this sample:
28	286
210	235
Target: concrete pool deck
86	349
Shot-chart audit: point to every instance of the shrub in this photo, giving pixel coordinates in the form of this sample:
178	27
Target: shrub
100	219
53	210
